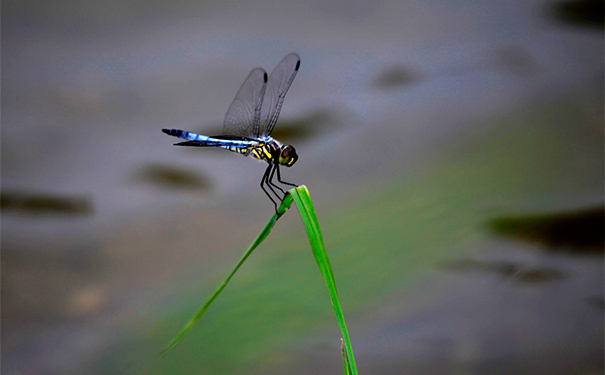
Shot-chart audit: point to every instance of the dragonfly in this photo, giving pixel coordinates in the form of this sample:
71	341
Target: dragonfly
250	120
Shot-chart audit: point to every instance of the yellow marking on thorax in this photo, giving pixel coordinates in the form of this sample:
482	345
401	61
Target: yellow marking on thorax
263	151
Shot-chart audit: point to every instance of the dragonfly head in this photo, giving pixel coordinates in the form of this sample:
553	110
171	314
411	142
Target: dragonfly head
287	156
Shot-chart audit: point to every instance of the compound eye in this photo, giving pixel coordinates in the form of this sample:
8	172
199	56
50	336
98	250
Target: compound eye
288	156
288	152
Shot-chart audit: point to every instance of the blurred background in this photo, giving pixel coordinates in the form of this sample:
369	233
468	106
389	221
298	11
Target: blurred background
453	149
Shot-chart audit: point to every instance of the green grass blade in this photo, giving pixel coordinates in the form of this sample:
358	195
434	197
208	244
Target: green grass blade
284	206
307	214
300	195
345	362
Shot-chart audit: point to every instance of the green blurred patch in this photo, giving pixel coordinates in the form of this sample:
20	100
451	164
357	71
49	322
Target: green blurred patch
380	241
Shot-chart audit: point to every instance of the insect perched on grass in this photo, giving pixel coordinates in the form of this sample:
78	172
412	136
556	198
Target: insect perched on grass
250	120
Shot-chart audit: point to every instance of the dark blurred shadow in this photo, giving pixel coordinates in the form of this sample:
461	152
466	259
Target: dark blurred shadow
539	275
395	76
516	272
44	204
596	302
516	60
585	13
508	270
48	284
510	58
304	127
579	232
170	177
501	268
290	130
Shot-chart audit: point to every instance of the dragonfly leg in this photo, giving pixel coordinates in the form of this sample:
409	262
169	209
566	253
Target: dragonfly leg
269	183
283	182
270	179
264	181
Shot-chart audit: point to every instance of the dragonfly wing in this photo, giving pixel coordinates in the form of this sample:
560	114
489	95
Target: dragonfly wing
279	82
244	115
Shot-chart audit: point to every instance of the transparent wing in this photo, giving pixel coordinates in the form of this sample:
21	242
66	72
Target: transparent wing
244	115
279	82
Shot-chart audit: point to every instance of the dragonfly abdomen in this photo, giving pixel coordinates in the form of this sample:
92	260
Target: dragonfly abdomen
186	135
239	145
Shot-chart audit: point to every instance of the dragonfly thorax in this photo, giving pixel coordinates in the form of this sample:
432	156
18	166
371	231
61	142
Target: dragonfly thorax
273	152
